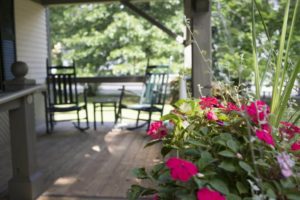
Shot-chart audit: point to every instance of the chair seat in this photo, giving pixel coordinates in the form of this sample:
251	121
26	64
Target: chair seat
143	107
65	108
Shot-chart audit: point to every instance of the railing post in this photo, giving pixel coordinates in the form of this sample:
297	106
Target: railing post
26	181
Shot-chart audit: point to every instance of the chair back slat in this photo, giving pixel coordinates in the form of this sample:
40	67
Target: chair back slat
155	85
62	85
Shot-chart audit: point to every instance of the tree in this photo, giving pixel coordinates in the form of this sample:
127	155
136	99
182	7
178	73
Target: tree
232	43
99	36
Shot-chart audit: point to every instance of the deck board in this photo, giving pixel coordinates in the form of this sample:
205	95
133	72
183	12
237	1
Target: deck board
91	165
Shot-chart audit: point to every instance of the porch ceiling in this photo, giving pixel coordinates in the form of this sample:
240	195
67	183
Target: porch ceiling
53	2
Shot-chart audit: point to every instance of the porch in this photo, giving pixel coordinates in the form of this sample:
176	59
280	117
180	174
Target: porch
92	165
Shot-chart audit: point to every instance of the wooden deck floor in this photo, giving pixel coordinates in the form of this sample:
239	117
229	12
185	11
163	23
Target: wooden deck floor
92	165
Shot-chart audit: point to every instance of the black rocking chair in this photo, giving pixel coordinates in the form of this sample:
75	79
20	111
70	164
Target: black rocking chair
153	97
63	96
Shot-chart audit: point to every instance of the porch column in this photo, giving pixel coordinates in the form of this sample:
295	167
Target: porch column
26	181
199	13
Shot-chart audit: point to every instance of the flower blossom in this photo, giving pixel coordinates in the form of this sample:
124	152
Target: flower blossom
155	197
258	111
295	146
210	115
209	102
289	129
157	130
181	169
286	164
207	194
232	107
265	136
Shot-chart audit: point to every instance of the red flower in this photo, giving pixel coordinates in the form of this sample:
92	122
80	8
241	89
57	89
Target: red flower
211	116
295	146
265	136
289	129
157	130
155	197
232	107
267	128
207	194
181	169
209	102
258	111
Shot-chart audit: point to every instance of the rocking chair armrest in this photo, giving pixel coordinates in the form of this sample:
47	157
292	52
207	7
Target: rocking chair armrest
85	95
127	91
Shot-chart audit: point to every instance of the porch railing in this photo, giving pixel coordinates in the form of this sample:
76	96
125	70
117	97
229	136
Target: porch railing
26	181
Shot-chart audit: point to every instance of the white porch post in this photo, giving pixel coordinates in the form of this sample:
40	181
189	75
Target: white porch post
199	12
26	181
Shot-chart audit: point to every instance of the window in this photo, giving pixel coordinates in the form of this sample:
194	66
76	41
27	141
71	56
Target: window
7	40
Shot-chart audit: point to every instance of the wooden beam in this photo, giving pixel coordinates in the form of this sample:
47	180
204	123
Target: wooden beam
111	79
149	18
56	2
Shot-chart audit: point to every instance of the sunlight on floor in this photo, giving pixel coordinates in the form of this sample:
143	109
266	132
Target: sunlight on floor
96	148
63	181
110	139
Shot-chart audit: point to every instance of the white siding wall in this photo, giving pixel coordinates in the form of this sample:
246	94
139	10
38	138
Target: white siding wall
31	43
31	37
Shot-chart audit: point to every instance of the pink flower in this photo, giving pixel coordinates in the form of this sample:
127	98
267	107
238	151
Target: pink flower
181	169
208	102
267	128
289	129
295	146
207	194
258	111
265	136
211	116
155	197
157	130
232	107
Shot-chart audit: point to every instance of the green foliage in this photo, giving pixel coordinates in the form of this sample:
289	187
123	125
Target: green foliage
98	36
232	38
229	156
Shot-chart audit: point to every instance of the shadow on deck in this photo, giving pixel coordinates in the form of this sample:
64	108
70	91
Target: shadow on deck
91	165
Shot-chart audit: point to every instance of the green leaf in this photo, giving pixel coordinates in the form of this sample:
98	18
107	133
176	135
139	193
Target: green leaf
246	167
200	183
192	152
233	197
205	160
165	150
232	145
228	166
241	188
204	130
184	195
155	172
271	193
197	143
140	173
293	196
152	142
287	183
227	153
219	185
137	191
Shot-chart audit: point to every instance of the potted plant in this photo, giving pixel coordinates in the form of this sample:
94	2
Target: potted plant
230	145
